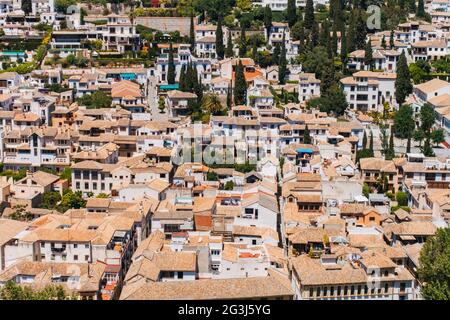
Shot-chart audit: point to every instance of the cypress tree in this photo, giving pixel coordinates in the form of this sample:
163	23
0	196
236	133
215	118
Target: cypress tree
364	142
314	35
420	9
412	6
403	86
391	40
182	81
306	136
220	50
192	34
334	41
324	34
291	13
368	57
408	145
361	32
240	85
351	42
390	153
328	78
229	51
371	142
344	47
282	63
276	53
267	20
383	42
171	67
309	14
243	44
302	39
229	97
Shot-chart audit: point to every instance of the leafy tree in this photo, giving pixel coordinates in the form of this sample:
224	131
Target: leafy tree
13	291
229	185
240	86
50	199
98	99
437	136
315	60
427	117
220	49
402	198
71	200
170	67
102	196
404	122
212	176
21	213
427	150
161	104
403	86
211	104
364	153
365	190
419	136
434	269
383	42
26	6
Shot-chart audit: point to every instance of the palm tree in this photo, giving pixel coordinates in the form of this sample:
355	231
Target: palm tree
211	104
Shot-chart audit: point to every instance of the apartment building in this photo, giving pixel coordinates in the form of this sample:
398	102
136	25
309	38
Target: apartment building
367	90
385	60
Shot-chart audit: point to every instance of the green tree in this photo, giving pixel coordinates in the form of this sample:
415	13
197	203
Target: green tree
220	49
371	142
391	40
21	213
434	266
229	185
437	136
267	20
402	198
71	200
427	118
360	31
419	136
403	85
365	190
344	48
240	86
192	33
212	176
291	13
309	14
427	149
243	43
404	123
420	10
98	99
229	51
50	199
170	67
102	196
13	291
390	152
282	65
211	104
26	6
368	56
364	141
307	136
383	42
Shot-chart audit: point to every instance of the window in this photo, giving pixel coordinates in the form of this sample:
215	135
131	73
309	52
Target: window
86	258
318	292
75	245
332	291
42	244
75	257
180	275
311	292
325	291
352	290
339	291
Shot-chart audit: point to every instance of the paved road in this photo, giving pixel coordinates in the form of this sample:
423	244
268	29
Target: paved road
153	101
